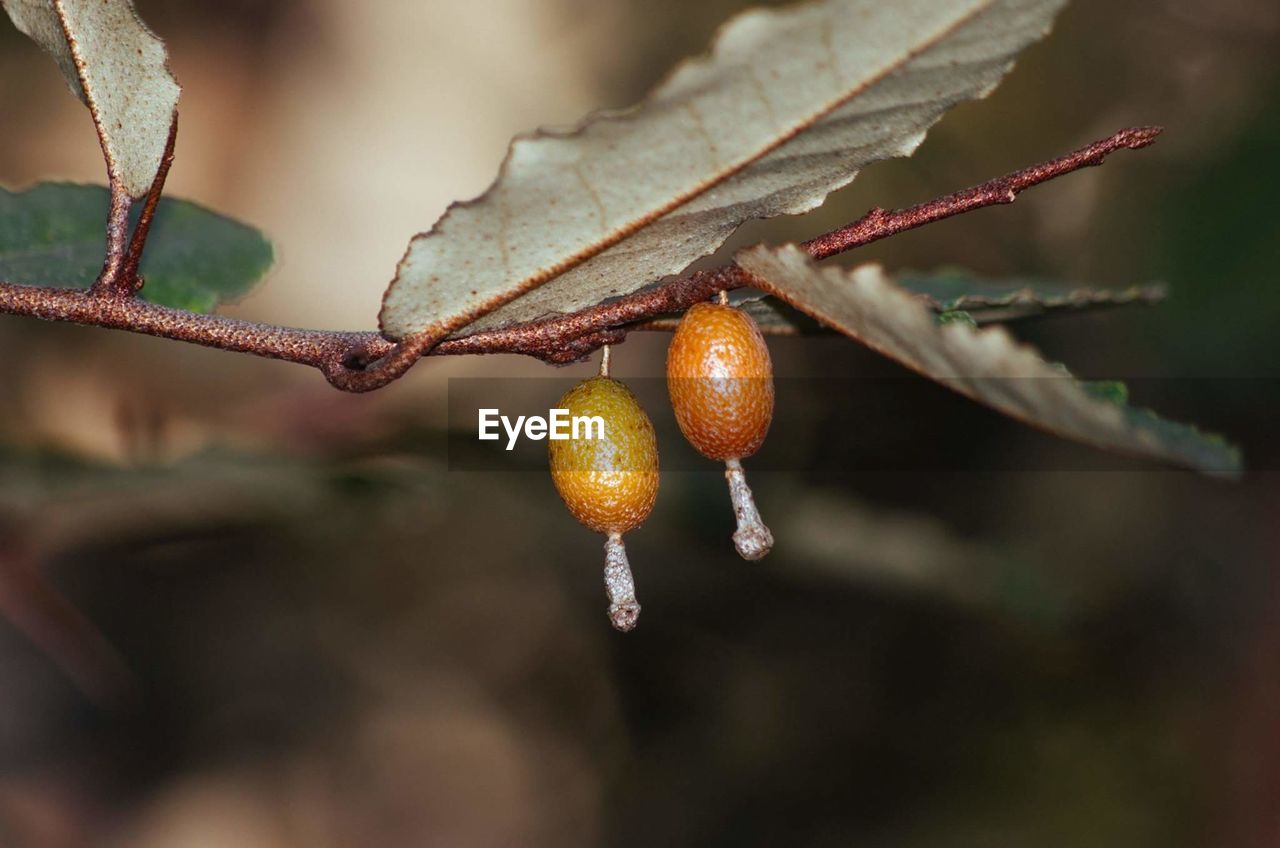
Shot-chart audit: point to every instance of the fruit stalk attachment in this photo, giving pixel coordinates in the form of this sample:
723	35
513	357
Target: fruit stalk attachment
624	609
752	538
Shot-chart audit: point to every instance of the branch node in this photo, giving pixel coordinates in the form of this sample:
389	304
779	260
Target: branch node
112	281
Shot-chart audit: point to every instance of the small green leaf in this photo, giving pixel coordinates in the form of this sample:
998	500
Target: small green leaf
1113	391
956	316
54	234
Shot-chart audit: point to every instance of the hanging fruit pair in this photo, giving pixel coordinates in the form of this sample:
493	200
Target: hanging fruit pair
609	483
720	379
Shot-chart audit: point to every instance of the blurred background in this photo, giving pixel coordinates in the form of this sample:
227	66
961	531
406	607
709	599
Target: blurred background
238	608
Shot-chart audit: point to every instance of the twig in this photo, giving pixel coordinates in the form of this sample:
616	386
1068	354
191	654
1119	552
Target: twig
110	282
307	347
129	271
361	361
878	223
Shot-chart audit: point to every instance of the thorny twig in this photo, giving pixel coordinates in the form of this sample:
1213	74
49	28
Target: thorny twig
361	361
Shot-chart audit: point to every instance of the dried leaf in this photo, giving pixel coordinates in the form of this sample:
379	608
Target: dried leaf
835	535
949	293
119	69
987	364
788	107
1004	300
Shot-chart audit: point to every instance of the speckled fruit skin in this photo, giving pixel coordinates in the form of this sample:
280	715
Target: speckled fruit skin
608	484
720	379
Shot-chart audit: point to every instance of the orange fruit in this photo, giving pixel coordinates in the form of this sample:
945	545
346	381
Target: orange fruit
720	379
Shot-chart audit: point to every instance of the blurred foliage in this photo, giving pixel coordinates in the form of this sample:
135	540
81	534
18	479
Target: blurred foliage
1219	245
53	235
956	289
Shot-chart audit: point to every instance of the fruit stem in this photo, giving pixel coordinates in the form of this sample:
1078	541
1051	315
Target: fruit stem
604	360
619	585
723	297
752	539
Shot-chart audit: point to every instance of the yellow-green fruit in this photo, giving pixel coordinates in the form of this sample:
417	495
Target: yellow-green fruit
609	483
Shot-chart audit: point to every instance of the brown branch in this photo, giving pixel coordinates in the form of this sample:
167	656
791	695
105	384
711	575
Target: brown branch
361	361
316	348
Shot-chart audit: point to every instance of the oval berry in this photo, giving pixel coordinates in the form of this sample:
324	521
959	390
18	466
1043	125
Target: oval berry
720	379
609	483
